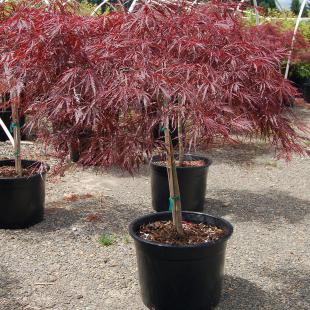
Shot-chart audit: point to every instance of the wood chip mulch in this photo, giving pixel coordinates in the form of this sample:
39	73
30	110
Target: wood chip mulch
164	232
186	163
9	172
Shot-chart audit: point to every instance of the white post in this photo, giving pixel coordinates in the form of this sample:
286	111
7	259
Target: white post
7	132
256	12
133	4
294	36
98	7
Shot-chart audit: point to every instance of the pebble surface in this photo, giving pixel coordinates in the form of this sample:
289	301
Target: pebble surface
59	264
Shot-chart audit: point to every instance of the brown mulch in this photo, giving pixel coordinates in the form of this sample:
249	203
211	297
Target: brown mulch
9	172
186	163
165	232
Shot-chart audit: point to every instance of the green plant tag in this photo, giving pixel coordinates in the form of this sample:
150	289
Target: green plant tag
170	204
12	126
172	200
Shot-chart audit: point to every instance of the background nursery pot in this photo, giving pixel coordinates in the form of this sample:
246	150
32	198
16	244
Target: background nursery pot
22	198
307	91
192	182
174	277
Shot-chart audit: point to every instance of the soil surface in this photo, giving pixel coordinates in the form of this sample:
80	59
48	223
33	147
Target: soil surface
59	264
186	163
9	172
165	232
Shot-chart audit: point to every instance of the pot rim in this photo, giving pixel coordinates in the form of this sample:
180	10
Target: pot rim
207	160
134	235
12	163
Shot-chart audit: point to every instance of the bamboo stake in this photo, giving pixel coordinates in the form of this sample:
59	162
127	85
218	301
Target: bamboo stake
16	130
174	189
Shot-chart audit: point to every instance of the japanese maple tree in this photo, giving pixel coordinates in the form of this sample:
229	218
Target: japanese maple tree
106	82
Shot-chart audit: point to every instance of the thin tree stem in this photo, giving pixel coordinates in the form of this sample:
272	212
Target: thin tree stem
173	183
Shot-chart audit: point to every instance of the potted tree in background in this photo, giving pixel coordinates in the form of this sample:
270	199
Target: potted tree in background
126	74
22	182
49	54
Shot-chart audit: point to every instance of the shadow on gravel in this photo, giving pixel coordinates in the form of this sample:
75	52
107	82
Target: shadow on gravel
266	207
144	170
89	216
238	154
242	294
6	284
295	284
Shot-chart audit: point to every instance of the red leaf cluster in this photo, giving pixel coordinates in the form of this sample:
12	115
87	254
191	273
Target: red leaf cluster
102	84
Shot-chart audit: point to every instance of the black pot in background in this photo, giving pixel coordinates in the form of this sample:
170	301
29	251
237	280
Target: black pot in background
74	153
298	81
6	118
174	277
192	182
306	91
22	199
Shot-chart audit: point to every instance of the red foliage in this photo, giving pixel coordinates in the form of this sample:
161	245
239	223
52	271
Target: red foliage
104	83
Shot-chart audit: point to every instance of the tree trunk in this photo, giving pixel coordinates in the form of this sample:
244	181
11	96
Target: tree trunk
174	189
16	131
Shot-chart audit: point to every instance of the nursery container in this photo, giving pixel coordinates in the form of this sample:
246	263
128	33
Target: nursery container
22	198
306	91
192	183
174	277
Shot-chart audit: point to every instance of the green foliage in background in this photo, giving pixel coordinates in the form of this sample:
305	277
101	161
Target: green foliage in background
286	20
90	5
266	4
300	70
295	6
86	7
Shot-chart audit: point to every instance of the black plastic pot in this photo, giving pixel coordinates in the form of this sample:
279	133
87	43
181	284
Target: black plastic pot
192	182
306	91
74	154
174	277
298	81
22	199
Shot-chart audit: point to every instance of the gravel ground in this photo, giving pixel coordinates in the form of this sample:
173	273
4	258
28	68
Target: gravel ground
59	263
